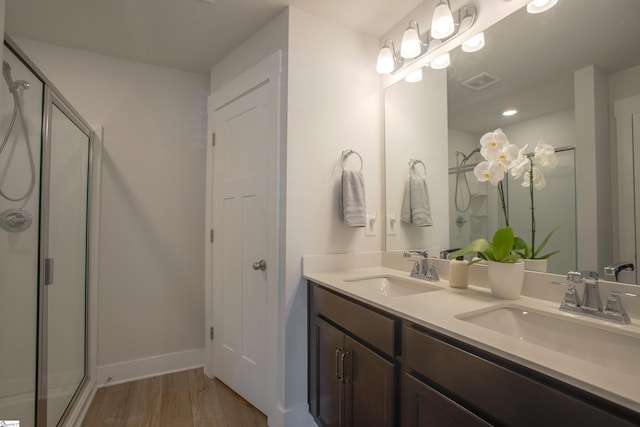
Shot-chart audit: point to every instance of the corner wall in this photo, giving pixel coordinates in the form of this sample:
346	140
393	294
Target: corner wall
334	104
151	316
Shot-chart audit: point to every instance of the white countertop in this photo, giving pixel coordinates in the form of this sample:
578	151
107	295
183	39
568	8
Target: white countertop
438	310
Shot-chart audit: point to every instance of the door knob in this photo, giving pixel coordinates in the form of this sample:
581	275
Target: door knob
260	265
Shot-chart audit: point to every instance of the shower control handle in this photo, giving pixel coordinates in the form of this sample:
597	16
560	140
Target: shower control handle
260	265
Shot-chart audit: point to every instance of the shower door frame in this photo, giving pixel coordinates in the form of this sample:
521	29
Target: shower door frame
52	97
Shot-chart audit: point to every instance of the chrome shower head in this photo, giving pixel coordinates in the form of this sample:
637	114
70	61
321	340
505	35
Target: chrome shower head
21	84
13	86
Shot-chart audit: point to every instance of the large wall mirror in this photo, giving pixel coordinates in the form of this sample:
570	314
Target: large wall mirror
554	68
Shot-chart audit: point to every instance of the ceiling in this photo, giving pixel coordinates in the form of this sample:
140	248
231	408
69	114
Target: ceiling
190	35
535	56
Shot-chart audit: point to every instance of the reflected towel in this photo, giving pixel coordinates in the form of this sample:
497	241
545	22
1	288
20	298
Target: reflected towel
353	202
416	208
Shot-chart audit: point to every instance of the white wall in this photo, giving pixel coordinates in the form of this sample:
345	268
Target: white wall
334	103
593	172
152	207
415	127
268	39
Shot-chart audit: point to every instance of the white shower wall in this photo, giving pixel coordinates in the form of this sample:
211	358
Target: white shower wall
151	316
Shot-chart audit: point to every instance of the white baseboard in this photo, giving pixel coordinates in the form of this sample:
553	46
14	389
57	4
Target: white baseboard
293	417
149	367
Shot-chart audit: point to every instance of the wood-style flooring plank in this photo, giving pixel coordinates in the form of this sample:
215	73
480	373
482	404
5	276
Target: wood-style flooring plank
181	399
205	402
145	400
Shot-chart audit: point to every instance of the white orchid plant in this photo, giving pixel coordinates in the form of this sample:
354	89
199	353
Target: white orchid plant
501	157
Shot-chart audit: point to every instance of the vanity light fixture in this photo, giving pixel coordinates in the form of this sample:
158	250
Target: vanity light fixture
539	6
511	112
474	44
414	76
442	24
411	45
414	52
441	62
387	58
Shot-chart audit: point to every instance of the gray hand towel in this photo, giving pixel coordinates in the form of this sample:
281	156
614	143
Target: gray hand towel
353	202
416	208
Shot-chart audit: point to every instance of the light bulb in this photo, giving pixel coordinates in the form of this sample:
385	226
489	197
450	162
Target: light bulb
442	25
539	6
441	62
414	76
508	113
474	44
386	63
411	44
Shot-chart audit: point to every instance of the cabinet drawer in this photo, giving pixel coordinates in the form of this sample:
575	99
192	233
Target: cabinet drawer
424	406
375	328
499	393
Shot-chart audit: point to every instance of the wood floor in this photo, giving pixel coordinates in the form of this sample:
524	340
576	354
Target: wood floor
181	399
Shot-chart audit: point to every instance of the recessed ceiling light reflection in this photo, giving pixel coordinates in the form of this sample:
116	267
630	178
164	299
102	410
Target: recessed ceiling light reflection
508	113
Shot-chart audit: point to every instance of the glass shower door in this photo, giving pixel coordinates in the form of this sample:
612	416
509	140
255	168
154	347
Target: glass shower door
19	219
67	248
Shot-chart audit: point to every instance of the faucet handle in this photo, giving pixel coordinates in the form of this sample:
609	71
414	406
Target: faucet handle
614	305
571	297
432	274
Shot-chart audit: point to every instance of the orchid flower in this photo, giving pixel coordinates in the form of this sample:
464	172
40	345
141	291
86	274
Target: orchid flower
521	163
539	182
545	156
489	171
492	144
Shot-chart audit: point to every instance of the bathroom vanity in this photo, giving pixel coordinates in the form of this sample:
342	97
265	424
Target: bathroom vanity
385	352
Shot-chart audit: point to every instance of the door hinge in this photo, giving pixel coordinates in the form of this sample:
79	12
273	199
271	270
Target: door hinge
211	333
213	139
211	235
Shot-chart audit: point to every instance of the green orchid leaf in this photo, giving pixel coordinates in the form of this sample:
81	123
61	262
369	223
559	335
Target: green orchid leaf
478	245
549	255
502	243
521	247
542	245
511	258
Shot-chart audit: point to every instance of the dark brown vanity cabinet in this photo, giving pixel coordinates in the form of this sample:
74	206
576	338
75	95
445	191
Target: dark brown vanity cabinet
370	368
450	383
352	371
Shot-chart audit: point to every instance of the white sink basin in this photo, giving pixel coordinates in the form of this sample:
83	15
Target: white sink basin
606	347
389	286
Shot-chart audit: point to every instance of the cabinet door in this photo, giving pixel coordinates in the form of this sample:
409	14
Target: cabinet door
370	388
424	406
328	387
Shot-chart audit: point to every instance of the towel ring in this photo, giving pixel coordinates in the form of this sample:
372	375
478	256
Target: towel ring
347	153
413	162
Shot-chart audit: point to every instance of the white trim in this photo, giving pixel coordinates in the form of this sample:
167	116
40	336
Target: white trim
294	417
82	404
267	71
149	367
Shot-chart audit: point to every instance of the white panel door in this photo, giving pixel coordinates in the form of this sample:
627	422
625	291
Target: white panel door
240	224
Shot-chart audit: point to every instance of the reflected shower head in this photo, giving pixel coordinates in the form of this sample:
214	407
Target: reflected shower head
12	86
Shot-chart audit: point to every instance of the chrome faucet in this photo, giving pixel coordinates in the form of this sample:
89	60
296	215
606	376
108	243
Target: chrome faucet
591	304
421	268
615	269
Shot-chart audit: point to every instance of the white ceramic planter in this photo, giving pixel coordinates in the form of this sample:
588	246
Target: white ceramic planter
536	265
506	279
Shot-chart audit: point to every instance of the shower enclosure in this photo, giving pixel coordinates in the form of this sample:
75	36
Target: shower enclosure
475	210
45	202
